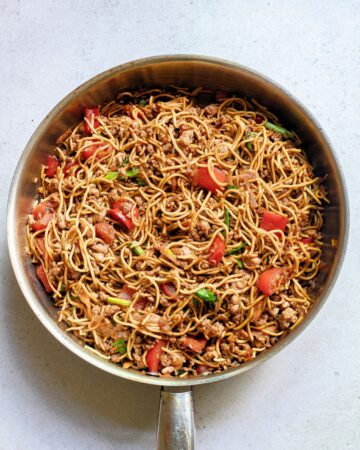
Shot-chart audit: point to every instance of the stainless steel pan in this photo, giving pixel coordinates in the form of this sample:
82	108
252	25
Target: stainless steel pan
176	430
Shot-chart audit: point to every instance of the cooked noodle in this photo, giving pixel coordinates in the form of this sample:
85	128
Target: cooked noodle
156	140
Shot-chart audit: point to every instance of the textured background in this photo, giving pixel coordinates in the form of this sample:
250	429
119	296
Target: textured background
306	397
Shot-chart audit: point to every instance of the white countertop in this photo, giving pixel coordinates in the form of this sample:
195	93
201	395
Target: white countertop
306	397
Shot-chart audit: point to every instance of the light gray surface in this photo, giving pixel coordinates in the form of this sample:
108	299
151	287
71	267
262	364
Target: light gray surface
306	397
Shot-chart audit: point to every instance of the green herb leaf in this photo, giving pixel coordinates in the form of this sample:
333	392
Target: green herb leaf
140	181
131	173
120	346
279	129
239	263
143	102
237	249
231	186
206	295
111	175
227	218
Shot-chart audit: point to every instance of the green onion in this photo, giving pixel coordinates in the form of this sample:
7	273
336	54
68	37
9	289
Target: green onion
180	372
169	253
249	146
196	302
227	218
239	263
125	161
206	295
137	249
111	175
131	173
120	346
63	288
237	249
231	186
142	102
278	129
140	181
118	301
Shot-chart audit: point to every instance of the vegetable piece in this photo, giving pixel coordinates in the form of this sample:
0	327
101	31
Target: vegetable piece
123	218
125	161
227	218
42	223
127	292
137	249
206	295
99	149
68	167
235	250
118	301
153	356
169	253
141	303
197	345
270	280
249	146
201	369
216	250
90	115
41	209
111	175
131	173
140	181
142	102
105	231
271	221
120	346
239	263
279	129
40	272
168	289
51	165
201	177
231	186
308	240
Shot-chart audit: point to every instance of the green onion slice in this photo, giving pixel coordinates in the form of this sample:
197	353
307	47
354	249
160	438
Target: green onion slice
237	249
206	295
137	249
278	129
231	186
131	173
227	218
111	175
120	346
239	263
118	301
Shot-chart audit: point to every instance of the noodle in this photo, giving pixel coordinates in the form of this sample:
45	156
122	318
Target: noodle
177	238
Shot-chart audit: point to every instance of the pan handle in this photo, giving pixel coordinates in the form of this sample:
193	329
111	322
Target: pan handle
176	419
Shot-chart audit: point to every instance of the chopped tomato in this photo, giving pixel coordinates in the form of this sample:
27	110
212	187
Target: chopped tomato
51	165
271	221
217	250
153	356
43	278
201	369
120	214
41	209
168	289
197	345
40	244
105	231
141	303
201	177
42	223
99	148
270	280
90	115
127	292
308	240
68	166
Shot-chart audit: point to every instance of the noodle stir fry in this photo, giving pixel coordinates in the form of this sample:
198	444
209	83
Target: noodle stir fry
178	231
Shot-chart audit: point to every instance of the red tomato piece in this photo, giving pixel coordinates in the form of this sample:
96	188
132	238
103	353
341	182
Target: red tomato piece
201	369
127	292
217	250
90	150
105	231
42	223
153	356
168	289
197	345
68	166
41	209
51	165
40	244
308	240
90	115
121	213
43	278
141	303
271	221
270	280
201	176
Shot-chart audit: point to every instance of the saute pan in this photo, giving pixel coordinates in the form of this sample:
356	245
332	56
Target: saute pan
176	427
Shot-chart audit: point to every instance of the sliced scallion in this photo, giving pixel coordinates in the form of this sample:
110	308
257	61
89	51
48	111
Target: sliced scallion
131	173
237	249
206	295
111	175
140	181
278	129
125	161
118	301
168	252
231	186
120	346
142	102
239	263
227	218
137	249
249	146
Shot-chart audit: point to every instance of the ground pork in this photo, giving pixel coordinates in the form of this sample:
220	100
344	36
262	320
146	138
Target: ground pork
287	318
211	330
